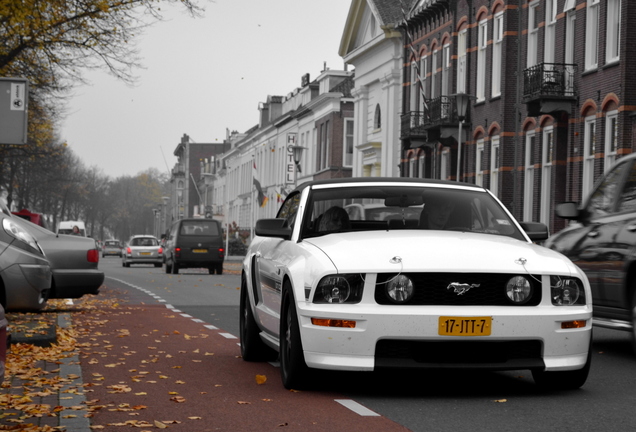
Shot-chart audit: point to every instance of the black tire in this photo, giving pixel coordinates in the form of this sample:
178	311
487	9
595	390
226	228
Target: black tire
219	269
253	349
211	270
127	264
168	268
123	264
157	264
566	380
175	268
293	369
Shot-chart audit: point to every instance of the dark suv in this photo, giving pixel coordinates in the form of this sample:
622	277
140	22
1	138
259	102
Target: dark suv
194	243
602	242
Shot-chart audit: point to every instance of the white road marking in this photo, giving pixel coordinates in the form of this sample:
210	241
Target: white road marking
357	408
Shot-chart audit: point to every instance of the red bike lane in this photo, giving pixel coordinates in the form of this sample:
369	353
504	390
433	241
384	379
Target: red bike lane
152	367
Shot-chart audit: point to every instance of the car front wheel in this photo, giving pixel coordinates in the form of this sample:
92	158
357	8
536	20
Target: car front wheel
565	380
252	347
293	369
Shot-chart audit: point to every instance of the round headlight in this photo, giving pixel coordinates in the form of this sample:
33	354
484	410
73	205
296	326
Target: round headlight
334	289
400	289
566	292
519	289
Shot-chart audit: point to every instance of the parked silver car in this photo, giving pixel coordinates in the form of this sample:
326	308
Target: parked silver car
74	262
142	249
25	273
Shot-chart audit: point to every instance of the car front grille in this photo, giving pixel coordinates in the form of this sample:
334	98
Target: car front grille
477	354
433	289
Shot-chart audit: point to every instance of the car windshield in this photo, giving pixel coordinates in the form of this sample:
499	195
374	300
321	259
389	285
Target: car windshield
199	228
144	241
393	207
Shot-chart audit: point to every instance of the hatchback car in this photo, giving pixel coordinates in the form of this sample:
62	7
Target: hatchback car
601	241
195	243
461	286
142	249
111	247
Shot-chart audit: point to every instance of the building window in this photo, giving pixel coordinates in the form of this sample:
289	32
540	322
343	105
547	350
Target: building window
443	172
323	147
412	166
570	24
611	138
482	43
547	157
347	157
497	51
414	86
591	35
528	192
533	34
613	31
494	166
423	69
433	74
421	168
461	61
479	163
445	69
550	30
377	119
589	150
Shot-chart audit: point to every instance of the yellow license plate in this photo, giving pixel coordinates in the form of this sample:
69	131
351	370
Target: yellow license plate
199	250
464	326
145	253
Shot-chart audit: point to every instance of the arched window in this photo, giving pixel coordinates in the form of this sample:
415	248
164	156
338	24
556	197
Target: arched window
377	120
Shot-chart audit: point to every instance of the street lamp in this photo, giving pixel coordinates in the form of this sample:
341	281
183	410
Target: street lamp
461	103
297	152
154	222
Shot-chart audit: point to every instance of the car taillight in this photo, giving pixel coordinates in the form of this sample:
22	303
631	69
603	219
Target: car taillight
128	251
221	252
160	250
92	255
177	252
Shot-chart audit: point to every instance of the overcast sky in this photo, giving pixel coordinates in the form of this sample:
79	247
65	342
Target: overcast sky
201	77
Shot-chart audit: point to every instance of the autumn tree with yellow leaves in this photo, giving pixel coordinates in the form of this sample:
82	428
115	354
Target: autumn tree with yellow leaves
51	43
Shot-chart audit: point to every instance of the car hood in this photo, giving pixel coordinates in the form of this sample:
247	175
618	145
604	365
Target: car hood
439	251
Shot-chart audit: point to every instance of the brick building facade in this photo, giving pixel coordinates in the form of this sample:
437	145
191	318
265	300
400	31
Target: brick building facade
551	100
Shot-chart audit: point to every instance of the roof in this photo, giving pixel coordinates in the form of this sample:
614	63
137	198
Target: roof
344	87
390	11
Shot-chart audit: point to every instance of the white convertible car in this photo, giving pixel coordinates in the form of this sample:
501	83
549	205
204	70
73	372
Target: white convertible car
448	279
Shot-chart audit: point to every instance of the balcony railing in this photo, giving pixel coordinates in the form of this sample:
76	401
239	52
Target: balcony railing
441	111
549	80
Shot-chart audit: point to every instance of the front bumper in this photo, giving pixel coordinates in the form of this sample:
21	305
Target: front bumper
404	336
26	285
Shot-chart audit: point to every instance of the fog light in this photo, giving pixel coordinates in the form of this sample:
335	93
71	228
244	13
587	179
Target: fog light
519	289
400	289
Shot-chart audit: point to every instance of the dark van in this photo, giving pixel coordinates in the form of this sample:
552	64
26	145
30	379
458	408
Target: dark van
194	243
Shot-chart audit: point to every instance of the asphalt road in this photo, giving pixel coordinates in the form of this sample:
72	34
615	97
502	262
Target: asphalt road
422	400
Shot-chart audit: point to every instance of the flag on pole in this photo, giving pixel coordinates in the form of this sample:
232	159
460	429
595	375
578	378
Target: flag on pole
262	198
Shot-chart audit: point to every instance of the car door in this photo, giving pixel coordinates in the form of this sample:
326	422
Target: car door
601	228
271	260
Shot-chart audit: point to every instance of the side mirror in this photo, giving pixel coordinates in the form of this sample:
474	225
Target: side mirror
568	210
537	231
272	228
